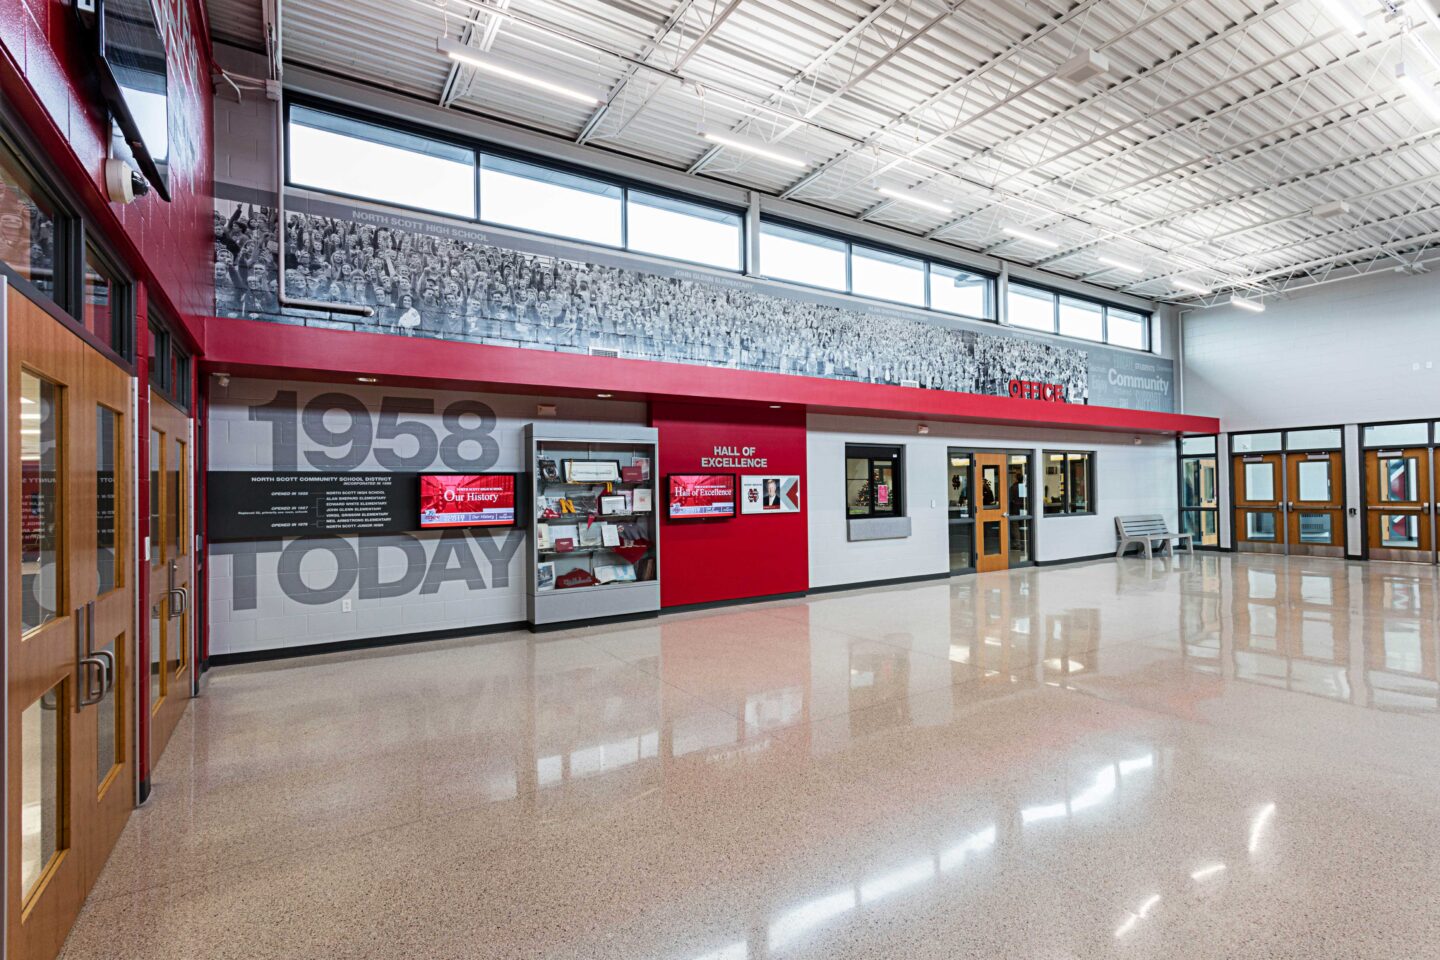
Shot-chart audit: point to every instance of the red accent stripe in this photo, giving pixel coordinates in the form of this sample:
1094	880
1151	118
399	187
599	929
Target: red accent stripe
264	349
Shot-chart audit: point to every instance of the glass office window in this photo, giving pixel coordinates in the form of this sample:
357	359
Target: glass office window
1396	435
1254	442
1189	446
349	156
1069	483
1326	439
789	254
1125	329
531	197
887	276
874	478
28	227
1082	319
955	291
1030	308
103	302
685	231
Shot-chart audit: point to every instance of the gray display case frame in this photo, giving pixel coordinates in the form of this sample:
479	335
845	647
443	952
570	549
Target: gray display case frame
555	609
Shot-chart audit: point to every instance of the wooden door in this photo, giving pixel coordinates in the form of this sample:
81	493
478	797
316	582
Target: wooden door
1260	502
992	513
171	566
1399	520
70	623
1315	504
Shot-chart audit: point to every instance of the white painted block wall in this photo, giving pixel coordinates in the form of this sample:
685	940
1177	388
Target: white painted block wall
1130	479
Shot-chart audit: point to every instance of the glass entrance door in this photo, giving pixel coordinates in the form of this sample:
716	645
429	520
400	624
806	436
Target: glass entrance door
1260	503
69	621
1315	504
172	563
992	513
959	491
1398	498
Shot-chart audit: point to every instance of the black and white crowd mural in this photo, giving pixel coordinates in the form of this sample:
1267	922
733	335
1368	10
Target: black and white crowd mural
429	279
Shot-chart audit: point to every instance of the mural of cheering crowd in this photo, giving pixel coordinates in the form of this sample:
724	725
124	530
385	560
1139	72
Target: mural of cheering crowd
432	286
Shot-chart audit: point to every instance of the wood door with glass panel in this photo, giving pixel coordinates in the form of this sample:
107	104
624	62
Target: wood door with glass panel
172	563
1260	502
992	514
1315	504
1398	514
70	623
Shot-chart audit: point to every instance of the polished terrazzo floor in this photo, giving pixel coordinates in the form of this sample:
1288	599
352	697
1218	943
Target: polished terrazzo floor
1201	757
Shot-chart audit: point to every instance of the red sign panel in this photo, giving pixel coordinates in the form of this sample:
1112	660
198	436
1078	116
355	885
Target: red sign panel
702	495
467	500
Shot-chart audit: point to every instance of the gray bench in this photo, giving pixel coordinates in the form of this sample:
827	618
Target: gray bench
1145	532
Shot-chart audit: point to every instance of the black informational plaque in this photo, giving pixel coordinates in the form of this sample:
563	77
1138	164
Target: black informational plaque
262	506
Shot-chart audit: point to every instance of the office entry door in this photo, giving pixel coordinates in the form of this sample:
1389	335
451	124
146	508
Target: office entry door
992	513
1399	501
1260	503
69	622
171	566
1315	504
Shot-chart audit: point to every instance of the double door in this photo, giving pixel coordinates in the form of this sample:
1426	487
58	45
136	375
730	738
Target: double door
70	622
1290	503
1400	504
989	514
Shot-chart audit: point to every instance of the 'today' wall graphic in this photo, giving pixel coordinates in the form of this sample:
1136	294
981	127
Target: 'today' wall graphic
299	591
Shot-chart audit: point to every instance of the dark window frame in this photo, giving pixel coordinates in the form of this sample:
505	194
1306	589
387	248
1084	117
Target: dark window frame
871	453
166	351
1147	319
1180	506
1068	509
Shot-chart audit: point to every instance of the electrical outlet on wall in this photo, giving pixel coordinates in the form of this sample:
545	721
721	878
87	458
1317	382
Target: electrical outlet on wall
347	605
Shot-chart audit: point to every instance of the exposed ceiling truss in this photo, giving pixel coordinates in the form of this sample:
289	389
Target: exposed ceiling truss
1199	156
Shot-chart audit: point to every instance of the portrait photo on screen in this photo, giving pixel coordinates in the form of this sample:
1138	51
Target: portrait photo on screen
467	500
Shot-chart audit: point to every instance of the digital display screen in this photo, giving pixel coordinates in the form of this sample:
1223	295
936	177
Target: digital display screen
467	500
695	496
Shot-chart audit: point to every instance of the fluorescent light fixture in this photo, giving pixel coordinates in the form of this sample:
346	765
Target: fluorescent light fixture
1254	306
1327	211
910	197
1119	264
472	57
760	148
1020	234
1418	89
1192	287
1346	16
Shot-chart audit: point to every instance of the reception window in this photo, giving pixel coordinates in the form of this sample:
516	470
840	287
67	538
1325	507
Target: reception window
1069	483
874	481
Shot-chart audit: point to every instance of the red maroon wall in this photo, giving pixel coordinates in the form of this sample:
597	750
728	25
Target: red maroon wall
46	72
703	561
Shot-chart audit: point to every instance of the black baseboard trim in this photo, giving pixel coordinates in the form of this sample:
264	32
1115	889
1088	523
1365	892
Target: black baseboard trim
592	622
894	581
349	646
1092	557
737	601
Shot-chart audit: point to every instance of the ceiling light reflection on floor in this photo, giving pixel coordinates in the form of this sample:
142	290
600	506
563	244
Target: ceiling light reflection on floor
1257	829
1205	873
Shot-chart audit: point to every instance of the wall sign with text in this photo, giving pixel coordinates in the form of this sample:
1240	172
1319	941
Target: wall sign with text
257	506
762	494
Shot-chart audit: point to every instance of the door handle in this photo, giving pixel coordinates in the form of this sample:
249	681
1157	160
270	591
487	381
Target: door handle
183	595
93	689
109	659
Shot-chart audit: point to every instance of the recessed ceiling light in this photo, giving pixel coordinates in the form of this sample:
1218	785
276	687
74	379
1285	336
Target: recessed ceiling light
760	148
1120	264
774	406
1020	234
482	61
366	379
1254	306
604	396
914	199
1192	287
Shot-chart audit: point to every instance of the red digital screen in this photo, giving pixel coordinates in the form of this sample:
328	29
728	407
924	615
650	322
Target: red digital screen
467	500
693	496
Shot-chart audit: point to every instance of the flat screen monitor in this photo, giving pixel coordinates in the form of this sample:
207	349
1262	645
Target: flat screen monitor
135	80
696	496
467	500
